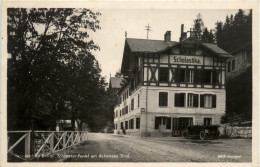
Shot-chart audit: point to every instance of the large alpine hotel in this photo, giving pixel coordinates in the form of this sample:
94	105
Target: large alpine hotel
170	85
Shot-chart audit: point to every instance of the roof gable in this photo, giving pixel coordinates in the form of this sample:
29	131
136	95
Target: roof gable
133	45
115	82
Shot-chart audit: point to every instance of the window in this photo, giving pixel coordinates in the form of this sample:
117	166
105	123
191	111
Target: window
126	124
207	76
182	75
137	121
207	121
132	104
163	99
179	99
208	101
164	74
168	123
190	76
131	124
184	122
122	125
120	113
229	66
233	64
138	101
193	100
187	51
159	121
126	109
127	94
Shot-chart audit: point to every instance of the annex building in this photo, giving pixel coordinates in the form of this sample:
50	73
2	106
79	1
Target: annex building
170	85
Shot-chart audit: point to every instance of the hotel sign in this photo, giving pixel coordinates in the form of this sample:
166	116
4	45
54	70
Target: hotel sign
195	60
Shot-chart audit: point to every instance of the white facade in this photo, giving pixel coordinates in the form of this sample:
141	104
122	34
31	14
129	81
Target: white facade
185	85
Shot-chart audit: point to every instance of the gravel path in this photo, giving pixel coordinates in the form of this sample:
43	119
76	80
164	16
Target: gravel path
114	148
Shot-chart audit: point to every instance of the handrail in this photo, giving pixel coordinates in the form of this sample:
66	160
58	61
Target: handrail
47	142
17	142
23	131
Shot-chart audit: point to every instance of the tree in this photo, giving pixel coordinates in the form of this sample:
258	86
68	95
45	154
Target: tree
50	48
198	27
118	73
236	31
207	36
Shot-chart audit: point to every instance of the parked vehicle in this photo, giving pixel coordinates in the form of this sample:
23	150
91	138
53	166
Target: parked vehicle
202	131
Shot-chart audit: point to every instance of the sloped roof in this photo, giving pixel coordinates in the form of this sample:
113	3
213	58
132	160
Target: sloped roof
216	49
145	45
115	82
159	46
245	45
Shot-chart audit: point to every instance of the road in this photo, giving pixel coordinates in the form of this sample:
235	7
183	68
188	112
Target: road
116	148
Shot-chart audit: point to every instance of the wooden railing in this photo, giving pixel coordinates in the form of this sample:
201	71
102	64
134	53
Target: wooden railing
21	145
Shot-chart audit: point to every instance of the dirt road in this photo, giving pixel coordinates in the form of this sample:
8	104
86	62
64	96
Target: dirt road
114	148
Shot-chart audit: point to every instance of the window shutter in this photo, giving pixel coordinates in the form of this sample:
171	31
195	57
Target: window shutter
196	100
202	75
182	99
177	100
214	77
165	99
187	72
160	99
164	120
168	125
175	122
214	101
196	76
157	119
201	100
177	75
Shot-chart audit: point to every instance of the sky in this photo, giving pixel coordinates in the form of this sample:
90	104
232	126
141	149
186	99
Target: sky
114	23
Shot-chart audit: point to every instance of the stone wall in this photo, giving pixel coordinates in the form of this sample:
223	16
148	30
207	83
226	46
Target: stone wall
235	131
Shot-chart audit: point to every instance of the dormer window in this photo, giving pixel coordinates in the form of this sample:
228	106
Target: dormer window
188	51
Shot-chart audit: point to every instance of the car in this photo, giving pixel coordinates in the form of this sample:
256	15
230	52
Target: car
201	131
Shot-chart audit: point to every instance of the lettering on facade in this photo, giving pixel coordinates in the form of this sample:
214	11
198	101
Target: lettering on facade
187	60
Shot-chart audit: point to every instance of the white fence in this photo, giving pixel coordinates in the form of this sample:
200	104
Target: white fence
21	145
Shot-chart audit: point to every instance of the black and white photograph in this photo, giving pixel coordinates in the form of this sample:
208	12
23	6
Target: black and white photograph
100	83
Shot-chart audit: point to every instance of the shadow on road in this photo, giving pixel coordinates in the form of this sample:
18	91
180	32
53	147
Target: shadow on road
205	142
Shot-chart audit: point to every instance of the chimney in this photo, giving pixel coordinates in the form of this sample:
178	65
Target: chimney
183	34
167	36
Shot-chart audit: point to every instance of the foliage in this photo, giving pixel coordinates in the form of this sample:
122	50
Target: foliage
200	32
236	31
118	73
236	90
207	36
52	73
198	27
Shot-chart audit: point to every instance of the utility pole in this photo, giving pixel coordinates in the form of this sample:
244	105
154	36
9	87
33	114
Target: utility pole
147	28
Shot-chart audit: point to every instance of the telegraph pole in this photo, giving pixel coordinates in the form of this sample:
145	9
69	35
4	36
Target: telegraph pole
148	28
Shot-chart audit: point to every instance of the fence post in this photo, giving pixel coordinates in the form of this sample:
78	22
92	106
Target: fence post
28	145
52	141
72	139
64	140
